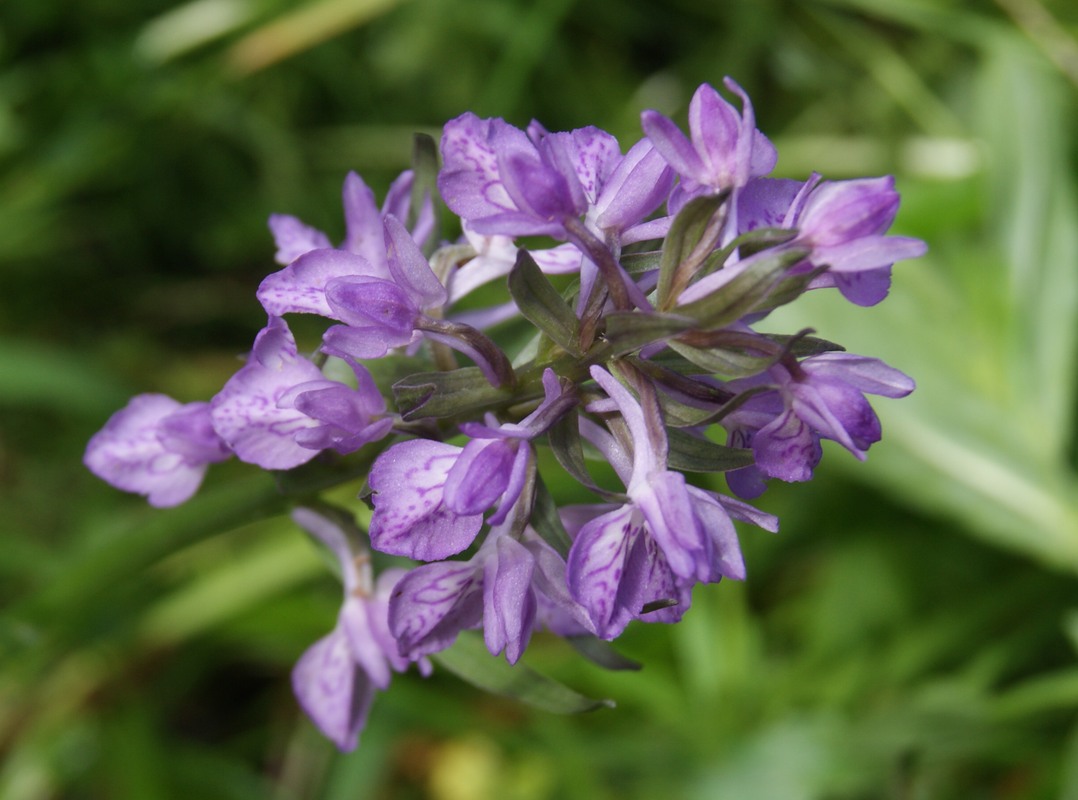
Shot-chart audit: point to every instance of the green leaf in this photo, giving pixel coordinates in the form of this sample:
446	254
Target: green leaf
470	661
692	238
547	522
746	292
630	330
691	454
424	184
567	446
446	394
722	361
542	305
602	653
805	346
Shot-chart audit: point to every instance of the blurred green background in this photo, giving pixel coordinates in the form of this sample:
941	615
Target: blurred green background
911	632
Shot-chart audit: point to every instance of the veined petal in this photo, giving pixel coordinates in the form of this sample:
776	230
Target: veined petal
300	288
333	693
666	504
129	453
432	604
508	599
410	517
786	448
837	411
605	570
470	182
247	414
715	128
369	302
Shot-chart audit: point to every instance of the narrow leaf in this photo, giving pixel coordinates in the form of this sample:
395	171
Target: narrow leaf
602	653
723	361
470	661
542	305
445	394
546	521
567	446
630	330
745	293
693	235
691	454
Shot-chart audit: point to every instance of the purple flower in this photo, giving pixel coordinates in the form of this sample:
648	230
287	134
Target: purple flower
497	179
500	587
844	223
337	676
300	286
350	418
820	397
278	411
380	314
615	569
501	180
668	536
157	447
725	152
430	497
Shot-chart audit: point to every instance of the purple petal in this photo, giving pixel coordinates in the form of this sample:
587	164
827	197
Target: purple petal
865	288
363	225
840	211
508	600
300	288
359	619
352	343
838	411
756	155
763	203
294	238
247	413
665	502
868	253
410	268
639	184
470	182
726	560
661	585
605	571
129	454
410	518
479	476
786	448
189	432
715	128
432	604
372	303
331	535
333	693
867	374
672	144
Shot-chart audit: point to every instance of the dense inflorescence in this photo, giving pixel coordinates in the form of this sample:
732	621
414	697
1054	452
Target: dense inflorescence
670	257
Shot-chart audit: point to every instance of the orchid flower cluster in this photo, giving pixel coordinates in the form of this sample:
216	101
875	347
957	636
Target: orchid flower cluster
644	280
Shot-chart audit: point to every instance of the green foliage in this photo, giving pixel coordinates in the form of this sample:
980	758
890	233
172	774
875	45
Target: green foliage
911	635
